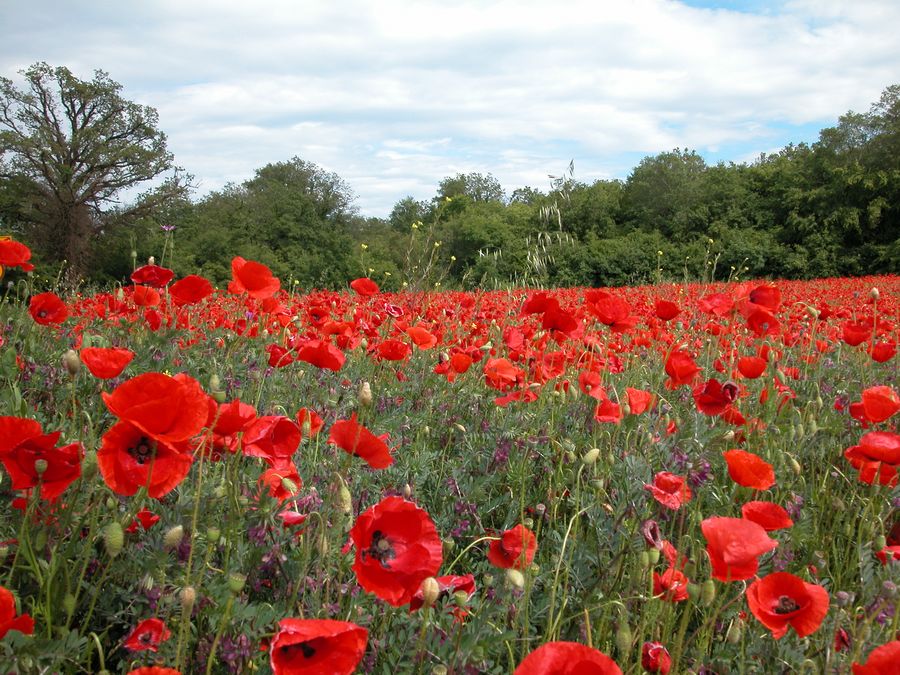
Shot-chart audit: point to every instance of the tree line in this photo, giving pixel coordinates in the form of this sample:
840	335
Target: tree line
830	208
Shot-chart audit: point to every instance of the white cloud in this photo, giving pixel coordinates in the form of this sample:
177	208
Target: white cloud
393	96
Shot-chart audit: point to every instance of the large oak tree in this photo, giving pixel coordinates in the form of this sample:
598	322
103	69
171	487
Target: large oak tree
69	148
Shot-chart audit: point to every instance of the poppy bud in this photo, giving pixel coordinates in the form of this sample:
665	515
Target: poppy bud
113	538
236	582
69	604
133	255
345	498
875	294
188	596
644	560
322	544
813	312
570	456
733	636
112	504
693	591
431	590
289	485
515	578
623	639
407	491
795	465
838	504
172	538
460	428
707	592
813	428
655	658
653	554
365	395
219	491
540	510
40	466
89	465
219	396
728	436
447	545
213	533
439	670
488	579
215	383
71	362
591	456
879	543
461	598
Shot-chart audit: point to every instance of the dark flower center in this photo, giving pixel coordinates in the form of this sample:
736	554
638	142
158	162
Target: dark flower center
380	549
786	605
303	647
143	450
43	314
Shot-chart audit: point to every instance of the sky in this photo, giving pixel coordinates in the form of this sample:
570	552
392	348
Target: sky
394	96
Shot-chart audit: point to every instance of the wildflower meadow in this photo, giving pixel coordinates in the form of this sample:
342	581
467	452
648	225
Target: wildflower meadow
676	478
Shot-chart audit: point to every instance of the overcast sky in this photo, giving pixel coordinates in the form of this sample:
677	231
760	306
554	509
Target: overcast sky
395	95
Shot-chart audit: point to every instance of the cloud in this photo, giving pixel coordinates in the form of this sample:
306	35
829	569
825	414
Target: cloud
394	96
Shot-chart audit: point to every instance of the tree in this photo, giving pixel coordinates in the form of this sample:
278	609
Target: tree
72	147
475	186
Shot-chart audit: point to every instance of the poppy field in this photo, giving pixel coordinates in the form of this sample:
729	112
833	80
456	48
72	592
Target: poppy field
684	478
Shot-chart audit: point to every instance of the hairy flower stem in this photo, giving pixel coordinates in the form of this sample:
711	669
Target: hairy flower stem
226	614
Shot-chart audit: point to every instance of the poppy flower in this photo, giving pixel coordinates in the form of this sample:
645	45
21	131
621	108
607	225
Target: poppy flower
355	439
891	553
106	362
639	401
591	383
780	600
169	409
364	287
655	658
152	275
228	422
767	296
422	337
876	457
669	490
501	374
611	310
666	310
567	658
393	350
751	367
316	423
148	634
882	660
718	304
681	368
252	278
15	254
749	470
130	459
856	332
23	443
734	546
514	549
282	480
190	290
883	351
671	585
272	437
146	296
768	515
321	354
47	308
145	518
397	548
153	670
713	398
447	585
9	620
879	404
762	322
317	647
608	411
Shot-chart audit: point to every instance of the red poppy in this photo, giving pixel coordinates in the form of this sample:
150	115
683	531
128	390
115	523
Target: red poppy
422	337
856	332
713	397
169	409
447	585
252	278
514	549
734	546
888	553
876	457
190	290
639	401
355	439
780	600
671	585
282	480
766	296
878	404
768	515
47	308
503	375
153	670
655	658
397	548
669	490
23	443
681	368
130	459
9	620
145	518
317	647
152	275
146	296
611	310
609	412
591	383
15	254
567	658
148	634
718	304
666	310
272	437
228	421
106	362
763	322
749	470
751	367
321	354
364	287
883	351
315	421
393	350
882	660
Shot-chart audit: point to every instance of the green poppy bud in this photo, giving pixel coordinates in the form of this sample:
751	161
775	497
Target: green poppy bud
113	538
